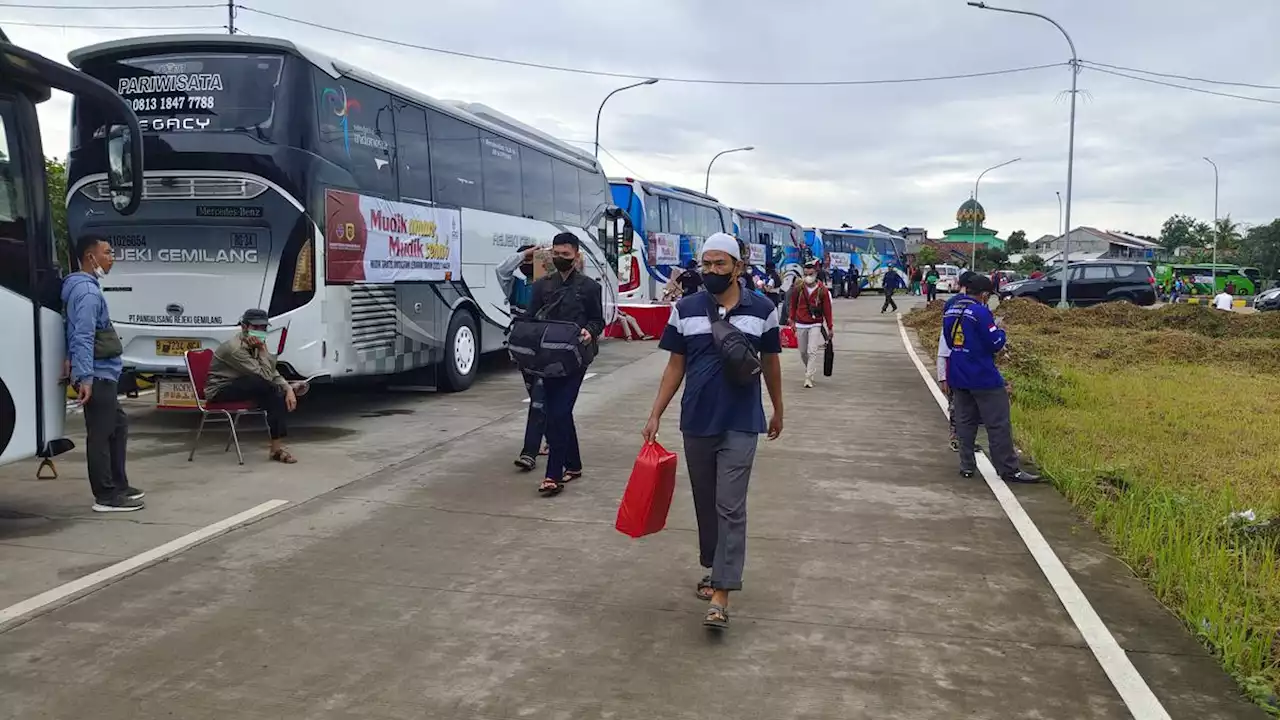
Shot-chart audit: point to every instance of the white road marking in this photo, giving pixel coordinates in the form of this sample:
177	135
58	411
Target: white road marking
585	378
1133	690
124	567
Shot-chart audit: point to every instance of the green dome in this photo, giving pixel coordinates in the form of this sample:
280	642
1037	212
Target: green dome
970	211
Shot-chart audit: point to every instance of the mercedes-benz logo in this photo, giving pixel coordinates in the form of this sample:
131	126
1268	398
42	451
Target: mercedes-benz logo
173	309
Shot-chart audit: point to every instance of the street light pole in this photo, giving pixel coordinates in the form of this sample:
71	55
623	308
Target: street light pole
1213	274
973	264
606	99
1055	192
706	188
1071	136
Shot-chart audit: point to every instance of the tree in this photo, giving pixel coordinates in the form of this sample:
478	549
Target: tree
1017	242
991	258
1260	248
1183	231
927	255
1030	263
55	173
1228	235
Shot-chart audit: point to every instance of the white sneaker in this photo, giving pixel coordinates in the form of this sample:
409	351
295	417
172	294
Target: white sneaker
808	383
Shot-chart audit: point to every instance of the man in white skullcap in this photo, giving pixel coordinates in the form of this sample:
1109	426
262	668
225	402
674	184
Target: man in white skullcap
721	418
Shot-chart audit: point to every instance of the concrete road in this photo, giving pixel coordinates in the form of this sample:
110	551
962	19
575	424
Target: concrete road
417	574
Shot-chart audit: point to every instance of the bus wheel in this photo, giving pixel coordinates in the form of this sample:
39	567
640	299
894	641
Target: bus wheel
461	353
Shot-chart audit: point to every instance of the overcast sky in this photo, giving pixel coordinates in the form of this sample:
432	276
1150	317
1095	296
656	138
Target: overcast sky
894	154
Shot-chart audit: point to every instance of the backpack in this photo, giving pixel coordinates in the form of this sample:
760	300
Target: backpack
547	348
738	356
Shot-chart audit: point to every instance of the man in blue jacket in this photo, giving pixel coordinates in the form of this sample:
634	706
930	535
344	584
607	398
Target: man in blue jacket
974	337
892	282
94	353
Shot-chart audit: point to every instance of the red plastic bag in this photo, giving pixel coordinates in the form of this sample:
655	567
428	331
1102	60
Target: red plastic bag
647	499
789	338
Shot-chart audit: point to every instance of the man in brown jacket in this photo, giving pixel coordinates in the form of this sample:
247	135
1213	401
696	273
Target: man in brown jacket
244	370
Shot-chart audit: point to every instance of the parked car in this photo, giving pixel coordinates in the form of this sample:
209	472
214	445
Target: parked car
948	278
1091	283
1267	300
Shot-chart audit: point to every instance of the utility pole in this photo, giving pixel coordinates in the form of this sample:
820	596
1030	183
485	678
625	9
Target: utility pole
231	17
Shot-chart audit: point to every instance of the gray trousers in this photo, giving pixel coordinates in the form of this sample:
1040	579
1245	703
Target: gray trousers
719	471
990	408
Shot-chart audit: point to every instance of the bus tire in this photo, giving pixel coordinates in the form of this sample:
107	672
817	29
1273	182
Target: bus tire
461	353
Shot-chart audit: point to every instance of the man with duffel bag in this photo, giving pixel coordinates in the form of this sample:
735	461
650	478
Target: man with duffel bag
556	340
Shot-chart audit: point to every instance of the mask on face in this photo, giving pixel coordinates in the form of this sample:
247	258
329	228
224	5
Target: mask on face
259	335
97	270
717	284
526	271
810	279
563	264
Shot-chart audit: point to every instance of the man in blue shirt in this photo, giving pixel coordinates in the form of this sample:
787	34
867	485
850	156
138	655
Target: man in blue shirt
973	338
721	422
892	282
94	354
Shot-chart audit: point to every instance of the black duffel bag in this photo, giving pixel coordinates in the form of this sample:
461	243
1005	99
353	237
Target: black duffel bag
547	348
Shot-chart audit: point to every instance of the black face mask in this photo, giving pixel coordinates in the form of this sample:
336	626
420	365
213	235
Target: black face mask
716	283
527	271
563	264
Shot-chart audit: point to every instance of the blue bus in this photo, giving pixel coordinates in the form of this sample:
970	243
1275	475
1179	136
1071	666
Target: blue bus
871	252
669	224
771	238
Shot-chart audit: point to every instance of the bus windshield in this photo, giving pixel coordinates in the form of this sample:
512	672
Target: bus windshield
205	92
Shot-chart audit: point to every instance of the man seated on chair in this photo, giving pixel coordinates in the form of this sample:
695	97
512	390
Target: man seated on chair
244	370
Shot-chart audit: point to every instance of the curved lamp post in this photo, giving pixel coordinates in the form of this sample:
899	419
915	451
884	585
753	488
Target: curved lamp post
606	99
706	188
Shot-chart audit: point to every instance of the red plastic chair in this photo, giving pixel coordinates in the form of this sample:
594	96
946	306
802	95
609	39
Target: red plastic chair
198	363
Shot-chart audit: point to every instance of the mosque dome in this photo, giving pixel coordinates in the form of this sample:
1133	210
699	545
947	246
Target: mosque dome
970	211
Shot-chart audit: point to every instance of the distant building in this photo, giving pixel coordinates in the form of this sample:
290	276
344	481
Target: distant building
1087	243
970	227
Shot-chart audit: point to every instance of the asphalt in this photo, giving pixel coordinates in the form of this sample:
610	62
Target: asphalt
417	574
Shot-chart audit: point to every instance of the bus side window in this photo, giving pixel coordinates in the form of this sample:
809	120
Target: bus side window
357	132
536	185
455	161
568	201
15	237
500	161
414	152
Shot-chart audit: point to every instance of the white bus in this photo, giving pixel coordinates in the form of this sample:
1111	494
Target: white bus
32	398
669	223
367	218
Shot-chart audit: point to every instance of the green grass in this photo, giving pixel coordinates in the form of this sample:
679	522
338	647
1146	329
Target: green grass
1157	435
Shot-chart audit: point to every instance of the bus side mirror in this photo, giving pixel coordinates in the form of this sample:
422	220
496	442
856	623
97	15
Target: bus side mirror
121	172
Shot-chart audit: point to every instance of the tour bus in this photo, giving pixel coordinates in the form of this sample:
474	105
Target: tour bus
668	225
32	400
770	237
872	252
1247	281
367	218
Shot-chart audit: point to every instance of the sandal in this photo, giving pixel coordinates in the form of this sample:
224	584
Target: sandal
550	488
283	456
526	463
717	618
571	475
705	591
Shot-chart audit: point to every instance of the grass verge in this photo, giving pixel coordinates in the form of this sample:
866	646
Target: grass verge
1160	426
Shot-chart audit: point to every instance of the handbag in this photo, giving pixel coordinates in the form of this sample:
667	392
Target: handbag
738	357
647	499
828	355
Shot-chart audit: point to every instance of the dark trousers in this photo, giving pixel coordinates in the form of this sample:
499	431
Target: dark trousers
106	438
888	300
990	408
931	292
855	287
536	424
263	392
561	395
719	472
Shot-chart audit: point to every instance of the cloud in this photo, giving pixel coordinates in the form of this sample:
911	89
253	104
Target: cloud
897	154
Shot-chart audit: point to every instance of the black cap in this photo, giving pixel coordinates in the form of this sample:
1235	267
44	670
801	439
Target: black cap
979	284
965	277
255	317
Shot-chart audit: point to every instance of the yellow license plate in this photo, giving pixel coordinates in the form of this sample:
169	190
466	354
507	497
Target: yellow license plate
175	347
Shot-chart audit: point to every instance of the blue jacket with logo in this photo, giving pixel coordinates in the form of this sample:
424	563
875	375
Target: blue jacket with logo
86	311
974	339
